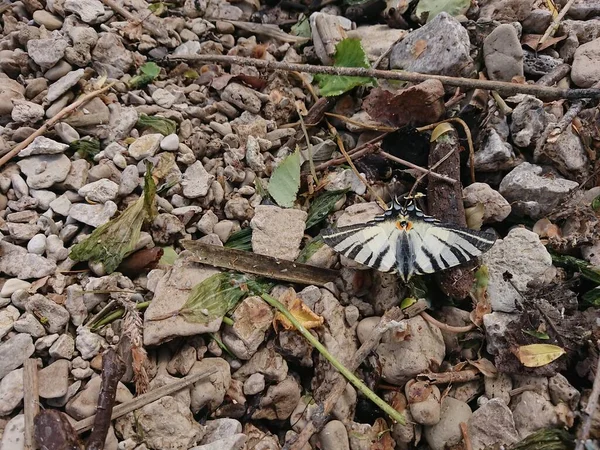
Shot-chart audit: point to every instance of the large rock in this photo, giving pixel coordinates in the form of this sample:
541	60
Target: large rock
44	171
503	54
47	52
567	154
277	232
14	352
496	208
586	64
16	262
492	424
532	261
41	145
93	215
111	56
441	47
532	194
447	431
160	320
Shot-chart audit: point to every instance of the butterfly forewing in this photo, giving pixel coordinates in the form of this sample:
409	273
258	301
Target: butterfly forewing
416	245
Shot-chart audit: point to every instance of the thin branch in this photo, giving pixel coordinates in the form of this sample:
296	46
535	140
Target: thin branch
356	382
445	326
31	401
462	376
435	166
465	434
51	122
361	150
503	88
550	30
319	419
360	124
415	167
590	410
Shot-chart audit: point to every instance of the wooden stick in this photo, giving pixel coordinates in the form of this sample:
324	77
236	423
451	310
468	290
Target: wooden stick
445	326
254	263
461	376
555	22
144	399
465	434
51	122
31	400
415	167
502	87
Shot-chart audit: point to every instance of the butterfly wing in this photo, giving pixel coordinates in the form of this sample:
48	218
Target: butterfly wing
372	244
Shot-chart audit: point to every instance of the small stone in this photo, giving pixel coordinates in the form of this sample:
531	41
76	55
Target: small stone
503	54
23	265
585	71
532	412
47	52
496	208
11	391
14	351
77	176
277	232
89	11
238	208
55	248
252	318
63	347
170	143
254	384
37	244
492	424
346	179
334	436
495	154
562	391
27	323
145	146
279	401
99	191
14	433
8	316
425	411
44	171
62	86
88	343
224	229
163	98
54	379
54	315
59	70
12	285
130	180
196	181
254	157
62	205
365	327
447	431
19	186
242	97
207	222
498	387
43	146
220	429
120	161
50	21
93	215
84	403
9	90
529	119
26	112
567	154
43	197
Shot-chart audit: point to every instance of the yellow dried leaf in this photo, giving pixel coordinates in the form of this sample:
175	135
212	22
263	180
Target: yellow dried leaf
474	216
485	366
538	355
441	129
301	312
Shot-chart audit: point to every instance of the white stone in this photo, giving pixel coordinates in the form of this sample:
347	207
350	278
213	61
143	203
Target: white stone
26	112
11	391
13	437
12	285
43	171
93	215
88	343
89	11
37	244
145	146
60	87
196	181
277	232
14	352
19	186
62	205
99	191
43	197
496	208
8	316
170	143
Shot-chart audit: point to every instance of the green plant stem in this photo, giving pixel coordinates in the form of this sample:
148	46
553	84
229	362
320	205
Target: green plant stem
228	321
358	384
117	314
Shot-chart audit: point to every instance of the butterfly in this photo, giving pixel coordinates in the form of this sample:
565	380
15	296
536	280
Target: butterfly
406	241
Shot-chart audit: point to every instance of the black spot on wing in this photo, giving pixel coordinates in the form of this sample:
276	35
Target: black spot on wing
455	251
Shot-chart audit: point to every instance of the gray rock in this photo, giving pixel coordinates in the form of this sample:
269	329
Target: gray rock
54	379
376	39
145	146
402	358
207	222
530	193
220	429
55	248
99	191
235	442
63	347
122	121
334	436
89	11
163	98
14	433
277	232
8	316
586	69
19	186
500	386
242	97
88	343
210	392
130	180
77	176
496	328
47	52
50	21
537	22
496	207
492	424
532	262
528	121
279	401
43	197
365	327
447	51
425	411
238	208
60	69
22	231
93	215
45	170
9	90
12	285
23	265
56	317
447	431
505	10
254	157
59	88
532	412
110	54
43	146
503	54
26	112
66	132
11	391
13	353
267	362
562	391
346	179
567	154
254	384
28	323
84	403
196	181
252	318
62	205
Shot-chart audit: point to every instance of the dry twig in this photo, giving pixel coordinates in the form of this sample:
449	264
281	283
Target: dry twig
31	400
462	376
415	167
550	30
503	88
466	438
51	122
590	410
445	326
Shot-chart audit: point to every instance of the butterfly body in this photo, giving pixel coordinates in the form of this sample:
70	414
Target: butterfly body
406	241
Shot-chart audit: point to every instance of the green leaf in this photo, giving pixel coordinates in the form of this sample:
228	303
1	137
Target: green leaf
310	249
169	256
322	206
302	28
596	204
285	181
113	241
592	297
161	124
218	294
537	334
240	240
348	53
587	270
431	8
87	148
146	74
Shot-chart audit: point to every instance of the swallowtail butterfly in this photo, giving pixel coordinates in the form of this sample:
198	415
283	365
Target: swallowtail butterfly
406	241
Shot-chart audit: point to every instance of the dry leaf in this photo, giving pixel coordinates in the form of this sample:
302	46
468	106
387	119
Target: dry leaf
485	366
440	130
546	229
419	48
532	41
300	311
475	216
538	355
37	285
381	438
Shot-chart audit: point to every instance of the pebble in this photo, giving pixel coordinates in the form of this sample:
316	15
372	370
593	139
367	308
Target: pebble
196	181
84	403
53	380
88	344
47	52
23	265
93	215
14	433
492	424
145	146
28	323
447	431
170	143
48	20
44	171
8	316
12	285
277	232
130	180
503	54
14	351
89	11
254	384
43	146
43	197
100	191
334	436
242	97
11	391
66	82
55	316
61	205
26	112
496	208
586	70
63	347
19	186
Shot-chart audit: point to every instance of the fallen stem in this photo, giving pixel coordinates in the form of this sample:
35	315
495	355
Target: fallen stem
415	167
465	434
502	87
52	121
117	314
445	326
360	124
590	410
552	27
31	401
395	415
361	150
